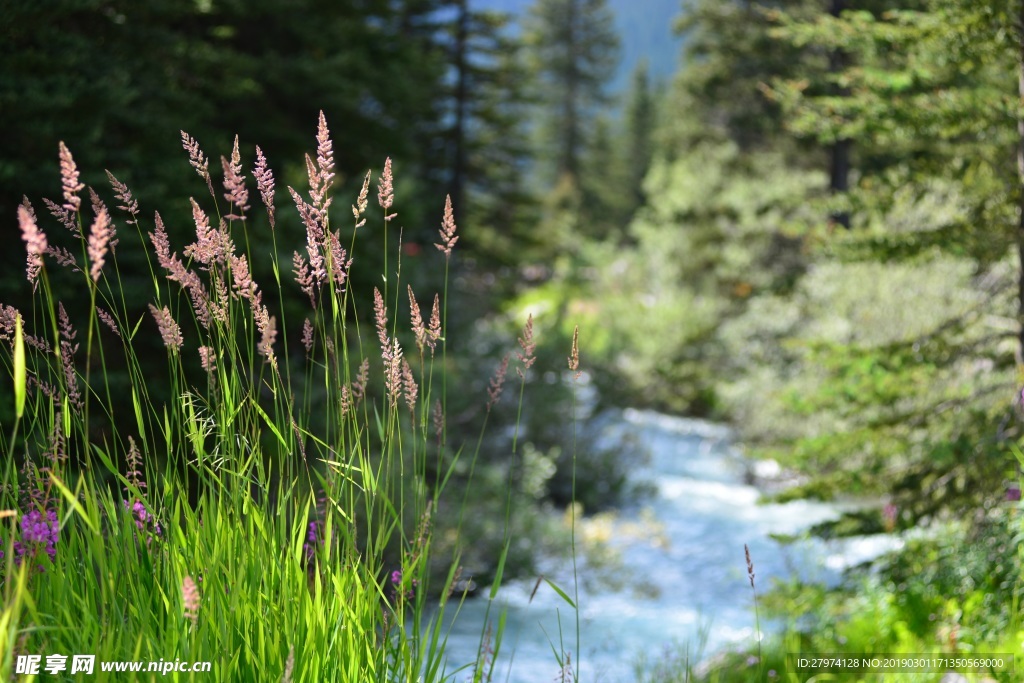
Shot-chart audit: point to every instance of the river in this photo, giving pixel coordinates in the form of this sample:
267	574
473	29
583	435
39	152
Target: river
689	573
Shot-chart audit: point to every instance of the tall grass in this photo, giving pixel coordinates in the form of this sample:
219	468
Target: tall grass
267	503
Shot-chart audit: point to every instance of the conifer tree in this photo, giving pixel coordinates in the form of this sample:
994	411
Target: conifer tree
640	123
575	50
489	146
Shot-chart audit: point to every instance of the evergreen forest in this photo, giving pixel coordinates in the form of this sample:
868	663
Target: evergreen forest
308	310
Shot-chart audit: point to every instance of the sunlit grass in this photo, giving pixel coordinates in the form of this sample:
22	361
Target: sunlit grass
265	506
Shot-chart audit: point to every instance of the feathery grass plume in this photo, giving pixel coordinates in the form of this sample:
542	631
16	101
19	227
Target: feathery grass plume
409	385
434	330
386	190
307	336
220	304
107	320
380	314
419	330
392	356
565	674
67	357
177	272
242	278
48	390
235	191
190	599
162	246
124	195
314	237
63	257
497	382
8	321
70	378
289	665
346	401
485	655
99	241
53	456
574	355
438	417
324	153
361	381
447	231
197	159
64	215
264	183
57	453
31	488
35	242
750	565
536	586
212	245
208	358
169	330
757	618
69	179
340	263
359	208
423	529
304	277
135	475
526	356
267	326
97	203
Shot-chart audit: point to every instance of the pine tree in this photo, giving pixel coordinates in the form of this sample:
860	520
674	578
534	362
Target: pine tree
489	145
575	50
641	120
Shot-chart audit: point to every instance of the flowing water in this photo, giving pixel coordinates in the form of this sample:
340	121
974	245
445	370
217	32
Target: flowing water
682	550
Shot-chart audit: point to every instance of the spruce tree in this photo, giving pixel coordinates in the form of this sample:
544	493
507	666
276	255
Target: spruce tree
575	50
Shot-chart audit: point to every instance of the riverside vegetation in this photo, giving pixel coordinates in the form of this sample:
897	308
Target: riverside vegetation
272	501
812	233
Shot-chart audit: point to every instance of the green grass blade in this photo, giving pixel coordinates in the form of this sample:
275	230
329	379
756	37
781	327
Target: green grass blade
499	571
72	500
20	373
561	593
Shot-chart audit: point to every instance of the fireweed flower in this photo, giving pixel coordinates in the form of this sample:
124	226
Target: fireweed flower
313	541
39	531
396	586
143	519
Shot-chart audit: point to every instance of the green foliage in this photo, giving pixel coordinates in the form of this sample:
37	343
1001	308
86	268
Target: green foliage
878	363
574	49
501	208
928	93
255	478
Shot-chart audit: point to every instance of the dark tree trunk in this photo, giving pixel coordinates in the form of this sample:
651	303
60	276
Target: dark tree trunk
839	176
569	163
458	179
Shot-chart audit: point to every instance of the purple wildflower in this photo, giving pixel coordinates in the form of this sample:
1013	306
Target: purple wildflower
39	531
1013	493
143	519
396	581
312	540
